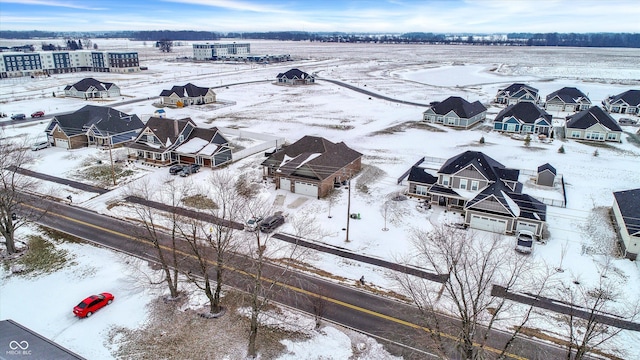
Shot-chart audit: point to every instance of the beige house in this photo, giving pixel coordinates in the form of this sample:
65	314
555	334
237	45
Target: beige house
188	94
626	211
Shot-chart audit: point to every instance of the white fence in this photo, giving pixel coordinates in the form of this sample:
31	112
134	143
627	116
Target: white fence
269	142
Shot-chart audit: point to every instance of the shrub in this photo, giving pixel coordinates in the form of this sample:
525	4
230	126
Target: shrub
561	149
482	140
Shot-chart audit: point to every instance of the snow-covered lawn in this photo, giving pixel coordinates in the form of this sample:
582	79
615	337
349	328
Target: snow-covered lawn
384	132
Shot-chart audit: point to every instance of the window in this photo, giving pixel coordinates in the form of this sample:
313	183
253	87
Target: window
594	136
474	185
451	120
421	190
612	136
150	138
511	127
575	134
445	180
463	184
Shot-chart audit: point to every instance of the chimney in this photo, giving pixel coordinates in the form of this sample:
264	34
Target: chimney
175	127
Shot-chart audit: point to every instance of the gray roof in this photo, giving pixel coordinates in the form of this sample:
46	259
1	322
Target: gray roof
568	95
527	206
587	118
85	84
293	74
629	205
16	337
420	175
104	119
166	130
631	97
320	155
460	106
188	90
514	90
490	168
526	112
546	166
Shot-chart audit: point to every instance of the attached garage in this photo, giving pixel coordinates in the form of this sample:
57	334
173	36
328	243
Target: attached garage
62	143
306	189
285	184
521	225
555	107
488	223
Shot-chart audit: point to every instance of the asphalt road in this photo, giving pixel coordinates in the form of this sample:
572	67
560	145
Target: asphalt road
396	324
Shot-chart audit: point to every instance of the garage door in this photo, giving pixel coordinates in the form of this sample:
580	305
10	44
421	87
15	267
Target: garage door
285	184
488	223
306	189
554	107
527	226
62	143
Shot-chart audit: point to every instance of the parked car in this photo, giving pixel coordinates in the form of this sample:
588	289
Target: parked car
189	169
175	169
37	114
93	303
253	223
40	146
627	121
18	117
270	223
524	241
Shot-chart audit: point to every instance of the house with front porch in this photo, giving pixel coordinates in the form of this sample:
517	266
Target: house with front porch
524	118
312	166
456	112
593	124
568	99
627	102
485	191
90	88
92	125
517	93
186	95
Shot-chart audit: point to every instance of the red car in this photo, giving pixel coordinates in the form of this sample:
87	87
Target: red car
93	303
37	114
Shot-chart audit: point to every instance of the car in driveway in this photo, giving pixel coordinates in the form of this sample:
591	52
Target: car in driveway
189	169
40	146
253	223
18	117
175	169
627	121
271	223
91	304
524	241
37	114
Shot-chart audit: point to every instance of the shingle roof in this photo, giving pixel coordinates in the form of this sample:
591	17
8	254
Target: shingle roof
460	106
518	204
294	73
166	130
631	97
420	175
102	118
85	84
629	205
318	154
526	112
490	168
547	166
587	118
188	90
569	95
515	88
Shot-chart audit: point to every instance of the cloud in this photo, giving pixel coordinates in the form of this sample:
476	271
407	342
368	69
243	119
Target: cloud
63	4
234	5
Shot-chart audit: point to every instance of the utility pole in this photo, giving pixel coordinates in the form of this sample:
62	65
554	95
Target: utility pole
348	210
113	171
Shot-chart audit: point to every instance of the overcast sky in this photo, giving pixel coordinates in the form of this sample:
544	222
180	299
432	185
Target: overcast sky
391	16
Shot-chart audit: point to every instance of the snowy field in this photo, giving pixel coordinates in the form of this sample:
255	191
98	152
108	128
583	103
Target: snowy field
382	131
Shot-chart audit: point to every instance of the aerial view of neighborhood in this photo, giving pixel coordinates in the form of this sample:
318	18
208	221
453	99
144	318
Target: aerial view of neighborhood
316	190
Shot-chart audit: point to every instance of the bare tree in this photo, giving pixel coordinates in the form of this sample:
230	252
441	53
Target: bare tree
587	334
14	153
165	45
157	223
473	264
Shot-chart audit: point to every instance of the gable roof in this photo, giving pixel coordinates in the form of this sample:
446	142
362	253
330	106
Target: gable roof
188	90
420	175
102	118
631	97
526	112
515	88
587	118
629	204
490	168
517	204
460	106
85	84
318	154
568	95
547	166
204	142
294	74
166	130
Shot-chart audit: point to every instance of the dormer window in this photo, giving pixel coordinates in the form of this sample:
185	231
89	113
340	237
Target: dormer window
445	180
463	184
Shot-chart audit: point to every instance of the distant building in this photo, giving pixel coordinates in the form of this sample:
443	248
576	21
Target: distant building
17	64
90	88
219	51
295	77
188	94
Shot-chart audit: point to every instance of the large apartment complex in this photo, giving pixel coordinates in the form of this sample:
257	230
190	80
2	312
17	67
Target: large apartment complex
16	64
219	51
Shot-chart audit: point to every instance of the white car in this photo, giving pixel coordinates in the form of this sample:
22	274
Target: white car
524	241
40	146
253	223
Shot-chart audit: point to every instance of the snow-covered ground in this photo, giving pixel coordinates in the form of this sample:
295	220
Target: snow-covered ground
382	131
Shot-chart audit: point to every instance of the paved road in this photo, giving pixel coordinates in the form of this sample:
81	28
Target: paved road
396	324
370	93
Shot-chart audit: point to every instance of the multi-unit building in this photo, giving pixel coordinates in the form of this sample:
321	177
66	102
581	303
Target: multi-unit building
219	51
16	64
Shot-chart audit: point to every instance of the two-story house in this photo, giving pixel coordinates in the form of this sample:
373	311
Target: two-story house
517	93
487	192
456	112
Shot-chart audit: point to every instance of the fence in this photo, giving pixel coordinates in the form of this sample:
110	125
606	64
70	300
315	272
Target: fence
269	142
